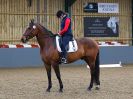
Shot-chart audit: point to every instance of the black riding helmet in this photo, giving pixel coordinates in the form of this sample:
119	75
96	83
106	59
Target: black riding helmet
60	13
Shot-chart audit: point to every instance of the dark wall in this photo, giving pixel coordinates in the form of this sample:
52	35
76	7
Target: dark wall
30	57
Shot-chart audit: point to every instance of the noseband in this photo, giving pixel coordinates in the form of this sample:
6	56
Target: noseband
28	36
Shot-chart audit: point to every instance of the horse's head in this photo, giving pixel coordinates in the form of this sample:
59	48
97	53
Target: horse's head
35	29
30	32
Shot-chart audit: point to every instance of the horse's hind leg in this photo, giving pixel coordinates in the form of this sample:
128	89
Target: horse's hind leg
97	72
92	69
92	76
96	75
48	69
57	72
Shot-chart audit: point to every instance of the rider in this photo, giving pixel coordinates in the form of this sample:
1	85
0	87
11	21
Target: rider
65	33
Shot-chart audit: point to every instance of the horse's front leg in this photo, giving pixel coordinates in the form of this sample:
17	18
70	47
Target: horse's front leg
48	69
57	72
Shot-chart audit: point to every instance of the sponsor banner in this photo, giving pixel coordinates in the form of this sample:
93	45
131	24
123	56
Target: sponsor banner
91	7
101	26
108	8
101	7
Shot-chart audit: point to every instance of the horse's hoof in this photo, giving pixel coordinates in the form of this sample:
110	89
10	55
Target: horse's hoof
97	87
48	90
88	89
60	90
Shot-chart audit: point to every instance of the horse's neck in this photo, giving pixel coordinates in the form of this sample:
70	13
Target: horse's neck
45	42
43	38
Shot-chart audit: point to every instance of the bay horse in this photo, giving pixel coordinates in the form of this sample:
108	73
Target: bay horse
88	50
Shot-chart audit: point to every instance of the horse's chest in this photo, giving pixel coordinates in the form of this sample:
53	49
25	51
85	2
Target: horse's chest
45	56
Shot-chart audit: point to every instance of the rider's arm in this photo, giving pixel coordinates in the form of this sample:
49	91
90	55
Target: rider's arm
67	23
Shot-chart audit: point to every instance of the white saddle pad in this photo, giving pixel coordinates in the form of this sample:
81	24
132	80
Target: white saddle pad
73	47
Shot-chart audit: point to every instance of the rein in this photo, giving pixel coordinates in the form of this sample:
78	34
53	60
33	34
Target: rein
28	37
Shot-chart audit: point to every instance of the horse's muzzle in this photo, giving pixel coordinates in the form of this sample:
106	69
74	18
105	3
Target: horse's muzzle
24	39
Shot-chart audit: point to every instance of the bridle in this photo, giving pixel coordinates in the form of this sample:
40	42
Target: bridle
27	36
46	34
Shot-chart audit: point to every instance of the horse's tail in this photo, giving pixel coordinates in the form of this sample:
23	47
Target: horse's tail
97	69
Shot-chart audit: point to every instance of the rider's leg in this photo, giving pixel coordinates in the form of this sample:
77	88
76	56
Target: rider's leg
65	41
63	55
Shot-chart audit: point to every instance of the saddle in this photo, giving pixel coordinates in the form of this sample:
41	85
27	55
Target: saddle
72	46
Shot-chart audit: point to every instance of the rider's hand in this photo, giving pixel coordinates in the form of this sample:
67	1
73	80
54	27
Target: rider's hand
59	34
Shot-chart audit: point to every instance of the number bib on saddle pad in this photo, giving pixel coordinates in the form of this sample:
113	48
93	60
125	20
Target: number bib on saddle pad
73	47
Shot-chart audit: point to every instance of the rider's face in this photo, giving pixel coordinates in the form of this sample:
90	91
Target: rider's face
61	17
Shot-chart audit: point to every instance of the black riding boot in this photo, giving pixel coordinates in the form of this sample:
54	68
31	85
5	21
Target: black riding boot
63	57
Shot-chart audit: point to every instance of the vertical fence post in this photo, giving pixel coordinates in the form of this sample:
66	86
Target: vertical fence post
38	11
68	4
132	21
67	7
45	11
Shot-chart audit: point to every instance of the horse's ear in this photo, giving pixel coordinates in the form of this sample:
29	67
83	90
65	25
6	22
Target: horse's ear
32	21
